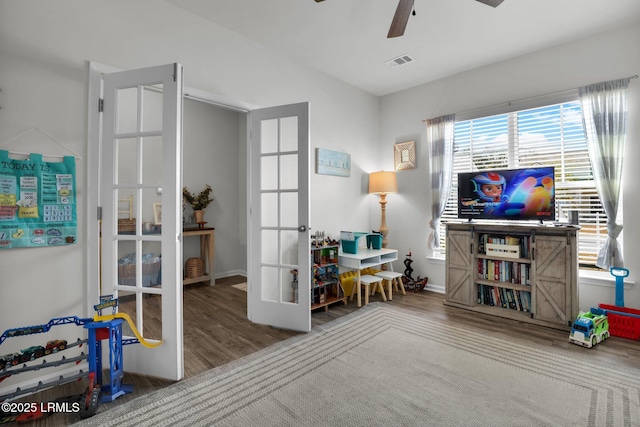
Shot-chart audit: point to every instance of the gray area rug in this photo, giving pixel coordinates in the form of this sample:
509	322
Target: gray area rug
387	366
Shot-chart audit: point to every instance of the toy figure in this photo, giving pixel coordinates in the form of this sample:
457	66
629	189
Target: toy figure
408	270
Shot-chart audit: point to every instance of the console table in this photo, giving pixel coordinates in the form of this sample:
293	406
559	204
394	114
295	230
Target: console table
206	253
363	259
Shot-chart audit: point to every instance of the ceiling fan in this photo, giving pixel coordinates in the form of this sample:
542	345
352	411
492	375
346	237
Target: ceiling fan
403	11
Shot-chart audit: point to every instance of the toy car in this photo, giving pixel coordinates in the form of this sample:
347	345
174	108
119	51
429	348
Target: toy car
54	346
589	329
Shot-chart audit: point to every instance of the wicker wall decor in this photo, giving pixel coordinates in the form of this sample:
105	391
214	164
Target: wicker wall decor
404	155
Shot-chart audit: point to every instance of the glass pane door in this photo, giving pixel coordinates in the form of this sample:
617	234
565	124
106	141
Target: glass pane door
140	188
279	293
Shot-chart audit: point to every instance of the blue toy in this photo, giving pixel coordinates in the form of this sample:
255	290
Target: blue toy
619	273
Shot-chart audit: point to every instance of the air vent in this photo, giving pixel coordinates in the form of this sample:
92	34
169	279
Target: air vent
400	60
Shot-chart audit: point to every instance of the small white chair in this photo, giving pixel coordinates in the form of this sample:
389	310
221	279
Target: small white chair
366	281
391	277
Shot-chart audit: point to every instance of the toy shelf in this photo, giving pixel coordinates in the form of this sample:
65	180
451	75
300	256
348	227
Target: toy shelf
326	288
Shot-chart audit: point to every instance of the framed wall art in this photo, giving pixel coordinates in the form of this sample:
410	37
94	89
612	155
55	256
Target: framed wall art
330	162
404	155
157	213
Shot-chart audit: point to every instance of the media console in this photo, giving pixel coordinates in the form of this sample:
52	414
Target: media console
522	272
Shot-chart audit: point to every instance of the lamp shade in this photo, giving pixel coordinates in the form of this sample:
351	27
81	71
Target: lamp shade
383	183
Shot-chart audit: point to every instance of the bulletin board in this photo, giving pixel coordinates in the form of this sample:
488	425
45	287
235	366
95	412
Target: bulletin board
37	202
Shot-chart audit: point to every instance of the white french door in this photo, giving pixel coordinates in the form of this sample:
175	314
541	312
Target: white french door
279	292
140	195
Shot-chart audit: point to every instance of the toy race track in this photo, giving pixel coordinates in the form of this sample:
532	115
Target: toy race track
40	329
126	318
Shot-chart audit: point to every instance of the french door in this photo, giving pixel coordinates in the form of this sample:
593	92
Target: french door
140	196
279	291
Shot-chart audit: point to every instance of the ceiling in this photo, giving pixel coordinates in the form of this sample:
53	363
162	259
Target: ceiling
347	39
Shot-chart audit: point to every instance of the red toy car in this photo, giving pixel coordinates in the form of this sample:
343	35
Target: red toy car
54	346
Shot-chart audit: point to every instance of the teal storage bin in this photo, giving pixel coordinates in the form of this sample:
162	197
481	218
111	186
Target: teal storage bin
374	241
349	241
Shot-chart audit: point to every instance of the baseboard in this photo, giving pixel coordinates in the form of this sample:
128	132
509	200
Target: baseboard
435	288
230	273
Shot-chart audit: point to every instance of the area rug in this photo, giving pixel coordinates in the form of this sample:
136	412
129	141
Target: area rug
242	286
387	366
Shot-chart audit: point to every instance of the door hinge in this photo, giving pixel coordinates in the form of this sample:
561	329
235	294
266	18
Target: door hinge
100	105
99	213
175	71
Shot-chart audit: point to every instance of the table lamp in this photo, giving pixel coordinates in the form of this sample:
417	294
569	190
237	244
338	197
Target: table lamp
383	183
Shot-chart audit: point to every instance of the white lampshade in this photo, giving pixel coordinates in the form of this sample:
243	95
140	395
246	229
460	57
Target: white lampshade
382	182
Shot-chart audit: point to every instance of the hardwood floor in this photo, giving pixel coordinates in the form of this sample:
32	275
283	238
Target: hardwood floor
217	331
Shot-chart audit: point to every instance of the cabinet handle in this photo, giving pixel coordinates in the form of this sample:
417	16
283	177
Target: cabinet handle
533	254
470	248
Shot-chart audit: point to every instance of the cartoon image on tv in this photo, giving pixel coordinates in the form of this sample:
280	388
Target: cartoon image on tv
508	194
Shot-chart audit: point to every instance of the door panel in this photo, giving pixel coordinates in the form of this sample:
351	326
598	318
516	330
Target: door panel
459	280
552	295
141	199
279	218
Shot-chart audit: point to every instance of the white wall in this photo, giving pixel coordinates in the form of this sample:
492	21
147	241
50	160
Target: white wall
606	56
211	150
44	47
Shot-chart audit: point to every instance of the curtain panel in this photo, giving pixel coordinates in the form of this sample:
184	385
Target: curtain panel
440	141
604	115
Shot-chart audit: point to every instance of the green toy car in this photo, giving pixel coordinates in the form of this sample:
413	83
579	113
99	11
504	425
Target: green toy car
589	329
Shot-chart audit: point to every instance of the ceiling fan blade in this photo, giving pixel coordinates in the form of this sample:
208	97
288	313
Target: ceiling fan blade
492	3
401	18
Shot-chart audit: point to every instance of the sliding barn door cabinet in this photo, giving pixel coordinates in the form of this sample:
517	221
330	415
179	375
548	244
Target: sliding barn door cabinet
522	272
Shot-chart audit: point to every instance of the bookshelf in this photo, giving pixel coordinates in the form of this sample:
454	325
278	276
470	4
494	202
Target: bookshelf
522	272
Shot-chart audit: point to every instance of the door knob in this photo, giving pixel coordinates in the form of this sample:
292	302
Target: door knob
302	228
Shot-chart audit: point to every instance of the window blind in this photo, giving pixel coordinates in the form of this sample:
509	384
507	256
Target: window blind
551	135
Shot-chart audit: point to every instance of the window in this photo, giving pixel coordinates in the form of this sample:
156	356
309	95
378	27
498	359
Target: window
551	135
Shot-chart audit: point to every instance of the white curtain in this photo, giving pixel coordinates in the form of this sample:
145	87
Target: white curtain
604	115
440	140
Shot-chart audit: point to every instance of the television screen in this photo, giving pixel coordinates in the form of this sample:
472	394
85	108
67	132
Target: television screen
515	194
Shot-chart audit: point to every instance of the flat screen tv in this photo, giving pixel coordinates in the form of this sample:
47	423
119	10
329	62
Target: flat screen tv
509	194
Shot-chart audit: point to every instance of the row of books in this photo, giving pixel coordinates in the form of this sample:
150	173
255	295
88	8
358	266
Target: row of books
505	298
524	242
504	271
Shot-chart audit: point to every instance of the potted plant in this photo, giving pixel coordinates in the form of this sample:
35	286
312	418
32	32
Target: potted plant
198	201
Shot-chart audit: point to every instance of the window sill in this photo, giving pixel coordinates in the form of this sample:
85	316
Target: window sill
600	278
436	259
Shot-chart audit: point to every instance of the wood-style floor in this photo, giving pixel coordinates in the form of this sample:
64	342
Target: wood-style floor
217	331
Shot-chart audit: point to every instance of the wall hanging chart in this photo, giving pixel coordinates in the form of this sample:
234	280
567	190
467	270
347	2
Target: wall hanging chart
37	202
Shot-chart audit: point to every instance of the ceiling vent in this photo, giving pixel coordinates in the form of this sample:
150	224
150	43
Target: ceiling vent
400	60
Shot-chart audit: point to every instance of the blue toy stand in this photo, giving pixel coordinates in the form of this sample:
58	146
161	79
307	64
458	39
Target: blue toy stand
113	331
619	273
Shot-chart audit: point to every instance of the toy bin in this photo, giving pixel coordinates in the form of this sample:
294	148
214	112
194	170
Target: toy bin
151	275
623	322
374	241
349	241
